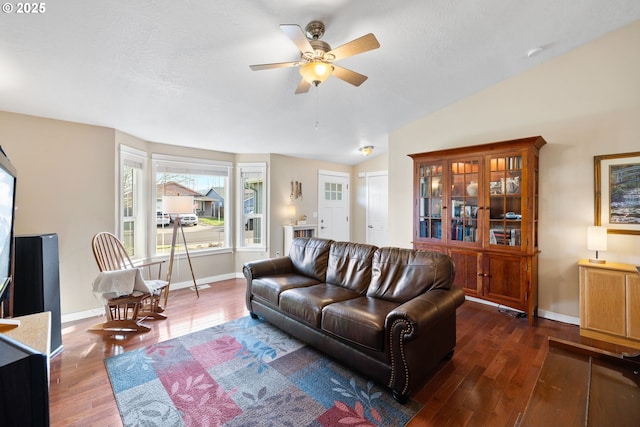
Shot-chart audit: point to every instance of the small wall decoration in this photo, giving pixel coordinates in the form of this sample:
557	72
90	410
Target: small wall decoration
617	192
296	190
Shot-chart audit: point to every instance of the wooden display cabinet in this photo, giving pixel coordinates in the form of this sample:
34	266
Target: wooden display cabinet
479	204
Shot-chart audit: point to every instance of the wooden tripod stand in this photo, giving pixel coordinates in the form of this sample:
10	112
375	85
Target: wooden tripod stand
177	224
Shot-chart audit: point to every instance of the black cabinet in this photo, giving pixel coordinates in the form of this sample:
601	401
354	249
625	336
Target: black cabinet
37	281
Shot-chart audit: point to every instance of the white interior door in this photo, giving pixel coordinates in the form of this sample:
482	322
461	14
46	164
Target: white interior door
377	208
333	205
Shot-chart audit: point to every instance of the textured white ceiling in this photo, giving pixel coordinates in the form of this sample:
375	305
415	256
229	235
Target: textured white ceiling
178	71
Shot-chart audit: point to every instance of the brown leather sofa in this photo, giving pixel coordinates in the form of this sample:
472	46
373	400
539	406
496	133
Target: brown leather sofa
389	313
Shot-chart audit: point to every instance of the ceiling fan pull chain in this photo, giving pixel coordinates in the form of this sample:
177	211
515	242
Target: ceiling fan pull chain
317	125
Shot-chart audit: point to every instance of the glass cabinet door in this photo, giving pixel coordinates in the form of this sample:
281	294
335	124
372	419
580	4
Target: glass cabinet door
430	201
464	181
505	195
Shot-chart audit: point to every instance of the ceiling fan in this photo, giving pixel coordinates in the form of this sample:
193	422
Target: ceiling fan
317	58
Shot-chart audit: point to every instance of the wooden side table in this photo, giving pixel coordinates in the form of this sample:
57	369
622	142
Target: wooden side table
610	302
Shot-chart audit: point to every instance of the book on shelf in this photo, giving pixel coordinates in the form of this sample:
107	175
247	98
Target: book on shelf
499	237
309	232
510	237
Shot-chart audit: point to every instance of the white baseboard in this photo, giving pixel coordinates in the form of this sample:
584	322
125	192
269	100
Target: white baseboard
545	314
558	317
94	312
550	315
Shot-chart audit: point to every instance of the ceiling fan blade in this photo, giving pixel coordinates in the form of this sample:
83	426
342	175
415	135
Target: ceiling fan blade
295	33
354	47
259	67
348	76
303	87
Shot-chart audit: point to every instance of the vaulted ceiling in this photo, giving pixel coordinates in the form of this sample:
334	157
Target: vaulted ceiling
178	71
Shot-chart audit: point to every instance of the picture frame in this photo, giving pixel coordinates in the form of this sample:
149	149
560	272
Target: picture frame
617	192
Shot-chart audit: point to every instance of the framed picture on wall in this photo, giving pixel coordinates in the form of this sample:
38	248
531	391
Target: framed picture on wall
617	192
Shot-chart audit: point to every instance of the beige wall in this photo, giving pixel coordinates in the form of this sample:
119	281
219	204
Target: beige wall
283	170
66	185
584	103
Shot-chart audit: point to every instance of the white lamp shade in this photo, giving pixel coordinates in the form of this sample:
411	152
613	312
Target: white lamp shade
177	204
316	72
597	238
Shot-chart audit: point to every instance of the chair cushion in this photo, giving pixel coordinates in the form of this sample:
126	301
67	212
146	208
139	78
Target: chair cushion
401	274
350	265
269	288
309	257
306	304
359	320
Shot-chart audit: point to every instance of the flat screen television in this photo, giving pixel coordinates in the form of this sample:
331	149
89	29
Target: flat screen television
7	210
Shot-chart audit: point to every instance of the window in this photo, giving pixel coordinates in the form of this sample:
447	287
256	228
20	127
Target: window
252	224
207	181
132	207
332	191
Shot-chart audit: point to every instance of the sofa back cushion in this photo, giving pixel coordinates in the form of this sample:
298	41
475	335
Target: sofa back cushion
350	265
310	256
401	274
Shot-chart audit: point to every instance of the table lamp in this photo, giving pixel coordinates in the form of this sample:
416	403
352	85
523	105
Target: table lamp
291	211
597	241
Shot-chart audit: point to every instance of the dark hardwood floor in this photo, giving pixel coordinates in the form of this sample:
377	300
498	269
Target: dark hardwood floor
486	383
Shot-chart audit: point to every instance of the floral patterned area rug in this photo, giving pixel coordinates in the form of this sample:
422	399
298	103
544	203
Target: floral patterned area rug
245	373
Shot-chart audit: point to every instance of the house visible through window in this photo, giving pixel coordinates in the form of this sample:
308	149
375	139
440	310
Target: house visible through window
208	183
252	197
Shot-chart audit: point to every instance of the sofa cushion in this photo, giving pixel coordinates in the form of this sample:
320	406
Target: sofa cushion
306	303
359	320
401	274
310	256
269	288
350	265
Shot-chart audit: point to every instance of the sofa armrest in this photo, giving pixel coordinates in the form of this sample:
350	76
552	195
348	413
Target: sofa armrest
419	334
425	308
261	268
267	267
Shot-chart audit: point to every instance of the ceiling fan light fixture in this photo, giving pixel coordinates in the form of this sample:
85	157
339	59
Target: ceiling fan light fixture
366	150
316	72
